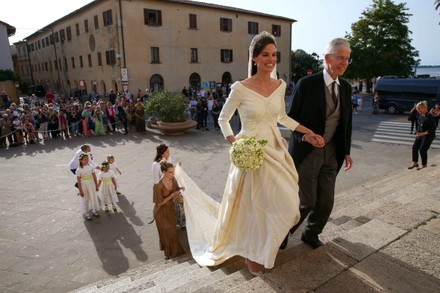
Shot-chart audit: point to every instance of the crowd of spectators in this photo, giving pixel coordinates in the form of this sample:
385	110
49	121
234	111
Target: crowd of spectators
205	106
40	119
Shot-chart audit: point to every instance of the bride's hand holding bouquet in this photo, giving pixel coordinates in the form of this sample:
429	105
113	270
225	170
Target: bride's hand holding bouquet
247	153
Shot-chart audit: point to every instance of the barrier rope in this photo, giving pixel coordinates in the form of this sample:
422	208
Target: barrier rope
6	135
58	129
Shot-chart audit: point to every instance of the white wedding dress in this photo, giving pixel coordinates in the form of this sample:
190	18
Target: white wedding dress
258	207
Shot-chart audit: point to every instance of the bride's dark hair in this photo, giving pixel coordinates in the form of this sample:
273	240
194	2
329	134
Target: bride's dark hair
258	43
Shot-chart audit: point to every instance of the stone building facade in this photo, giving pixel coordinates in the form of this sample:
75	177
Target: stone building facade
22	66
6	30
140	44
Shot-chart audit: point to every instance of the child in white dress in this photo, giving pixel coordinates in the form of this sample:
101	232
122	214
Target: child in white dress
87	186
107	183
115	169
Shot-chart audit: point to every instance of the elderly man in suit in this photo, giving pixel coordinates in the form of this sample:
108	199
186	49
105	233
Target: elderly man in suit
321	102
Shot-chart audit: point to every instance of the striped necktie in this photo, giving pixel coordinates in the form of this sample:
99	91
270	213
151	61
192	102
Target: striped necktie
334	97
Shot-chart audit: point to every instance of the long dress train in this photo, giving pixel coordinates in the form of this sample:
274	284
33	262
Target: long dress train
258	207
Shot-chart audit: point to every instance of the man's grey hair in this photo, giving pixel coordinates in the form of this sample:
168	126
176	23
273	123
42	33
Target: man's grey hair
333	46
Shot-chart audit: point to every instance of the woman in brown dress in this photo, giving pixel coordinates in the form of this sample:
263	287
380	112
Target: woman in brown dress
131	109
140	120
164	191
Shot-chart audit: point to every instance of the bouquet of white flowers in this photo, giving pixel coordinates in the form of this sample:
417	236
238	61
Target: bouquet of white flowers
247	153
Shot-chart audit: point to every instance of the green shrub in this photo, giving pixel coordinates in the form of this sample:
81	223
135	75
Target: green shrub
169	107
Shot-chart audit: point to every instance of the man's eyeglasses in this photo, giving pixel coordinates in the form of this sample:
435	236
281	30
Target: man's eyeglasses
343	59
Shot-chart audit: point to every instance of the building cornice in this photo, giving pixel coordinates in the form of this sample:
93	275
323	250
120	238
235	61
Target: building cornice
222	7
9	28
186	2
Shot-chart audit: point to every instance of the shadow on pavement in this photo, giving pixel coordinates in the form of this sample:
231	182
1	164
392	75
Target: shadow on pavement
129	210
345	266
108	234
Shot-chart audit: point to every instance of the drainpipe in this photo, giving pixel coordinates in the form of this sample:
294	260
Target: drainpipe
30	63
122	33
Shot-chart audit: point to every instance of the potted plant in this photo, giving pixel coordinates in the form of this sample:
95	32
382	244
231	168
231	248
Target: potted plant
170	109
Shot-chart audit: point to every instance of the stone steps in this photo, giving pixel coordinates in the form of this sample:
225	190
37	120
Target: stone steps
228	281
302	274
218	274
386	198
367	221
155	269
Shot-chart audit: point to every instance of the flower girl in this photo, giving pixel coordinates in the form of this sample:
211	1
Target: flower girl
87	186
115	169
107	182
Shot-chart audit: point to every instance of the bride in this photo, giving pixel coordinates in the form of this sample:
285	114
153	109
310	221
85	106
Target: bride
258	207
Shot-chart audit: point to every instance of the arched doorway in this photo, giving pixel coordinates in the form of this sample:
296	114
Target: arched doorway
58	86
69	88
115	86
226	78
81	88
195	80
156	82
102	88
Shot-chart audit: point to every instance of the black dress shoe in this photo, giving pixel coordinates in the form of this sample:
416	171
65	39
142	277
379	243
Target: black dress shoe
284	243
313	243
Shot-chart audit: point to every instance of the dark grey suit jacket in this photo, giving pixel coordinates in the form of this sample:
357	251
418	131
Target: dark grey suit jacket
309	108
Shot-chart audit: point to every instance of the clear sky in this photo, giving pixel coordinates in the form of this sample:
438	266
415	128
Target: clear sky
318	21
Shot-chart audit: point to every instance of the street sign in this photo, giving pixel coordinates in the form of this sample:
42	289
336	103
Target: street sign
82	84
124	74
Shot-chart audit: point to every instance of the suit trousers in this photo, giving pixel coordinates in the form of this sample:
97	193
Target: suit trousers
317	179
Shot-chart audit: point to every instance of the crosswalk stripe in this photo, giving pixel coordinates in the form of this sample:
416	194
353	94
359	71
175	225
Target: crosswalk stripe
411	139
395	123
397	133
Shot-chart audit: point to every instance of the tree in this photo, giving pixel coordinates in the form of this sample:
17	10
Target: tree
380	42
8	74
437	5
302	62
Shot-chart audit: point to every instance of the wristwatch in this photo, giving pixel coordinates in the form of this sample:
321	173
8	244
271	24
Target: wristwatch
303	137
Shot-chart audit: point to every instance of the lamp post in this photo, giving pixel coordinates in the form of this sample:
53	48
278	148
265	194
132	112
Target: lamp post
316	56
17	85
415	67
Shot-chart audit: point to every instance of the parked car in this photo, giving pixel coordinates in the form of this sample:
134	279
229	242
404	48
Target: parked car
397	95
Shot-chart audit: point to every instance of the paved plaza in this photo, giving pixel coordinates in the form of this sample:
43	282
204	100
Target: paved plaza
44	241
